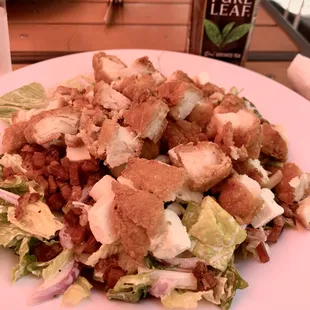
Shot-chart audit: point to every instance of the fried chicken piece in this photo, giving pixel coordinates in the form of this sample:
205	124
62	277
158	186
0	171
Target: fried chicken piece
202	113
180	76
109	98
14	137
25	115
143	66
294	186
78	153
209	89
181	97
140	215
182	132
205	164
117	144
230	104
155	177
273	143
51	125
150	150
240	196
136	88
107	68
148	118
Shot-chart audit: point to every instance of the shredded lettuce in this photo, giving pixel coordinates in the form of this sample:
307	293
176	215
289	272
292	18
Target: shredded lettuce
13	161
78	291
26	97
214	232
80	82
17	185
131	288
37	220
187	300
57	264
10	235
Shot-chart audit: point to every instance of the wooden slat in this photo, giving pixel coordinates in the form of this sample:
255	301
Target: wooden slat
276	70
60	38
129	1
94	13
271	39
263	18
18	66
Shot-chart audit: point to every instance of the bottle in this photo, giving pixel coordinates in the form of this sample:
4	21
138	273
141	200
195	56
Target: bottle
222	29
5	55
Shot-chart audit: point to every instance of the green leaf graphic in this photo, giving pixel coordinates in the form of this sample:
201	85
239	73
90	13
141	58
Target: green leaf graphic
237	33
213	32
226	30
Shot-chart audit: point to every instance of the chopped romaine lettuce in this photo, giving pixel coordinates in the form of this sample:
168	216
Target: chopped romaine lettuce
214	232
80	82
57	264
152	262
17	185
26	97
37	220
251	106
13	161
131	288
186	300
10	235
78	291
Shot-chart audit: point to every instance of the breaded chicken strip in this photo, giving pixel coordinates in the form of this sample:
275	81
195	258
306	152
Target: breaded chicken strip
205	164
150	150
155	177
181	97
180	76
136	88
209	89
240	196
51	125
117	144
294	186
14	138
107	68
202	113
109	98
182	132
230	103
148	118
273	143
143	66
140	215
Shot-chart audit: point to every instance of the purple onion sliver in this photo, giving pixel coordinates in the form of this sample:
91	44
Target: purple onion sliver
9	197
51	288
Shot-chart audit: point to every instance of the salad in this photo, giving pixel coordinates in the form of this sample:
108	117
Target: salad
147	184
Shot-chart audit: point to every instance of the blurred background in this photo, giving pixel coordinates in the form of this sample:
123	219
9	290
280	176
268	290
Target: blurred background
44	29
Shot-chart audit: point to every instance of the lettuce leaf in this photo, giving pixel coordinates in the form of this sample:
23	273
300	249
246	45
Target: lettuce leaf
13	161
10	235
78	291
37	220
57	264
17	185
130	288
187	300
80	82
214	232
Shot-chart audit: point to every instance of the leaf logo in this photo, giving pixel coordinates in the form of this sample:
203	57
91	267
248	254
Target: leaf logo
228	35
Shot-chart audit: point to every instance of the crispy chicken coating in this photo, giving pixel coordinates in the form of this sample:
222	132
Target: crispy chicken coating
136	88
14	138
107	68
51	125
148	118
230	103
182	132
155	177
150	150
209	89
273	143
109	98
180	76
140	215
240	196
202	113
205	164
181	97
117	144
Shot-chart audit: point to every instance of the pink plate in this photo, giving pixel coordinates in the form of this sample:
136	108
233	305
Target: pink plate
283	283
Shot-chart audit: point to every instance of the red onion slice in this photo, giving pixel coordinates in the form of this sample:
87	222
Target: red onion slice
9	197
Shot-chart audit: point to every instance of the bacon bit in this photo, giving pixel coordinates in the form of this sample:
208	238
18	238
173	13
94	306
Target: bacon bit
44	252
66	191
278	225
205	279
74	174
89	247
23	201
52	186
262	253
38	160
52	154
76	193
7	172
73	228
58	171
110	270
93	178
65	162
42	182
89	166
56	201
